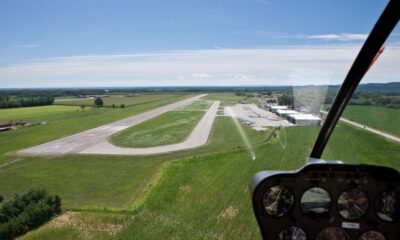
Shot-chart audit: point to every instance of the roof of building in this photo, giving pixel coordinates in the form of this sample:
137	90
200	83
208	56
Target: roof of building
279	107
302	116
287	111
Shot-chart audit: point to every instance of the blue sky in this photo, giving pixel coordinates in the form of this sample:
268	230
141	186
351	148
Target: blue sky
143	43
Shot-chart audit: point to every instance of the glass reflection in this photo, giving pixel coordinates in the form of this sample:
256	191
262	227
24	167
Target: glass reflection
388	206
292	233
278	200
315	200
372	235
353	204
332	233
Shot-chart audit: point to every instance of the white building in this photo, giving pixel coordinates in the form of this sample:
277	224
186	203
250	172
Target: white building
275	108
286	112
304	119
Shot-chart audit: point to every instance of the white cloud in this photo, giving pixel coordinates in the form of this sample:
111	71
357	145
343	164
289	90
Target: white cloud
266	66
339	37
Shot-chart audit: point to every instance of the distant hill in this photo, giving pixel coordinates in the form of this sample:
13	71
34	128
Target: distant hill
380	87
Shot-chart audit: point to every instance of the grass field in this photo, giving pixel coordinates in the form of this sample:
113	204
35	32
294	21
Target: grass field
118	100
200	193
97	182
198	197
38	114
225	98
168	128
386	119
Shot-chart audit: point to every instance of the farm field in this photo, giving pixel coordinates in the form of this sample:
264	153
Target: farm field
118	100
168	128
386	119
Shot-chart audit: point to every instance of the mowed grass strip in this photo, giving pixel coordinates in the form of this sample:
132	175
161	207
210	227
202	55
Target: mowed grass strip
168	128
383	118
118	100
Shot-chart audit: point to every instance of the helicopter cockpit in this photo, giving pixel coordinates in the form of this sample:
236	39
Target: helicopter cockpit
331	200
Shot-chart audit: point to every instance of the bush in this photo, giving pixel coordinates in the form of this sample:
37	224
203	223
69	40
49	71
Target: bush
1	198
122	105
98	102
28	211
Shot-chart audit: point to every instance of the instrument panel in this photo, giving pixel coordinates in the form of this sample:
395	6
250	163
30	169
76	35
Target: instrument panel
328	201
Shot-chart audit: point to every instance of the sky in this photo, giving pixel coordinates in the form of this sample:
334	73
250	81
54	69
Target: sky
97	43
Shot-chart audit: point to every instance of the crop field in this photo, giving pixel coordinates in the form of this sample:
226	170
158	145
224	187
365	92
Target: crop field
200	193
118	100
170	127
383	118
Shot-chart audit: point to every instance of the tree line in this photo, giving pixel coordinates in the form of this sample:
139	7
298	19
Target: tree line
14	102
27	211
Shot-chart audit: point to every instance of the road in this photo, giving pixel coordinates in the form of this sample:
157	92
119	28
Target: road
197	137
373	130
86	139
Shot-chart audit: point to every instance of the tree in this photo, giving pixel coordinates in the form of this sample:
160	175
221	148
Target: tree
1	198
98	102
122	105
113	106
82	107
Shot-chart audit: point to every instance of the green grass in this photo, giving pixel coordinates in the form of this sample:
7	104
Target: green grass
191	197
97	182
118	100
36	113
386	119
197	105
225	98
76	225
180	195
168	128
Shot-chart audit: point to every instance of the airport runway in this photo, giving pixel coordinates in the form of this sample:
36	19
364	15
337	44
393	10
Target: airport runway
79	142
197	137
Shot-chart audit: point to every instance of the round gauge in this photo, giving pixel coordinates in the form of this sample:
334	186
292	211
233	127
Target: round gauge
278	200
388	206
332	233
292	233
315	200
372	235
353	204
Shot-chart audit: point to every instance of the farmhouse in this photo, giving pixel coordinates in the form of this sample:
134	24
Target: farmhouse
302	119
